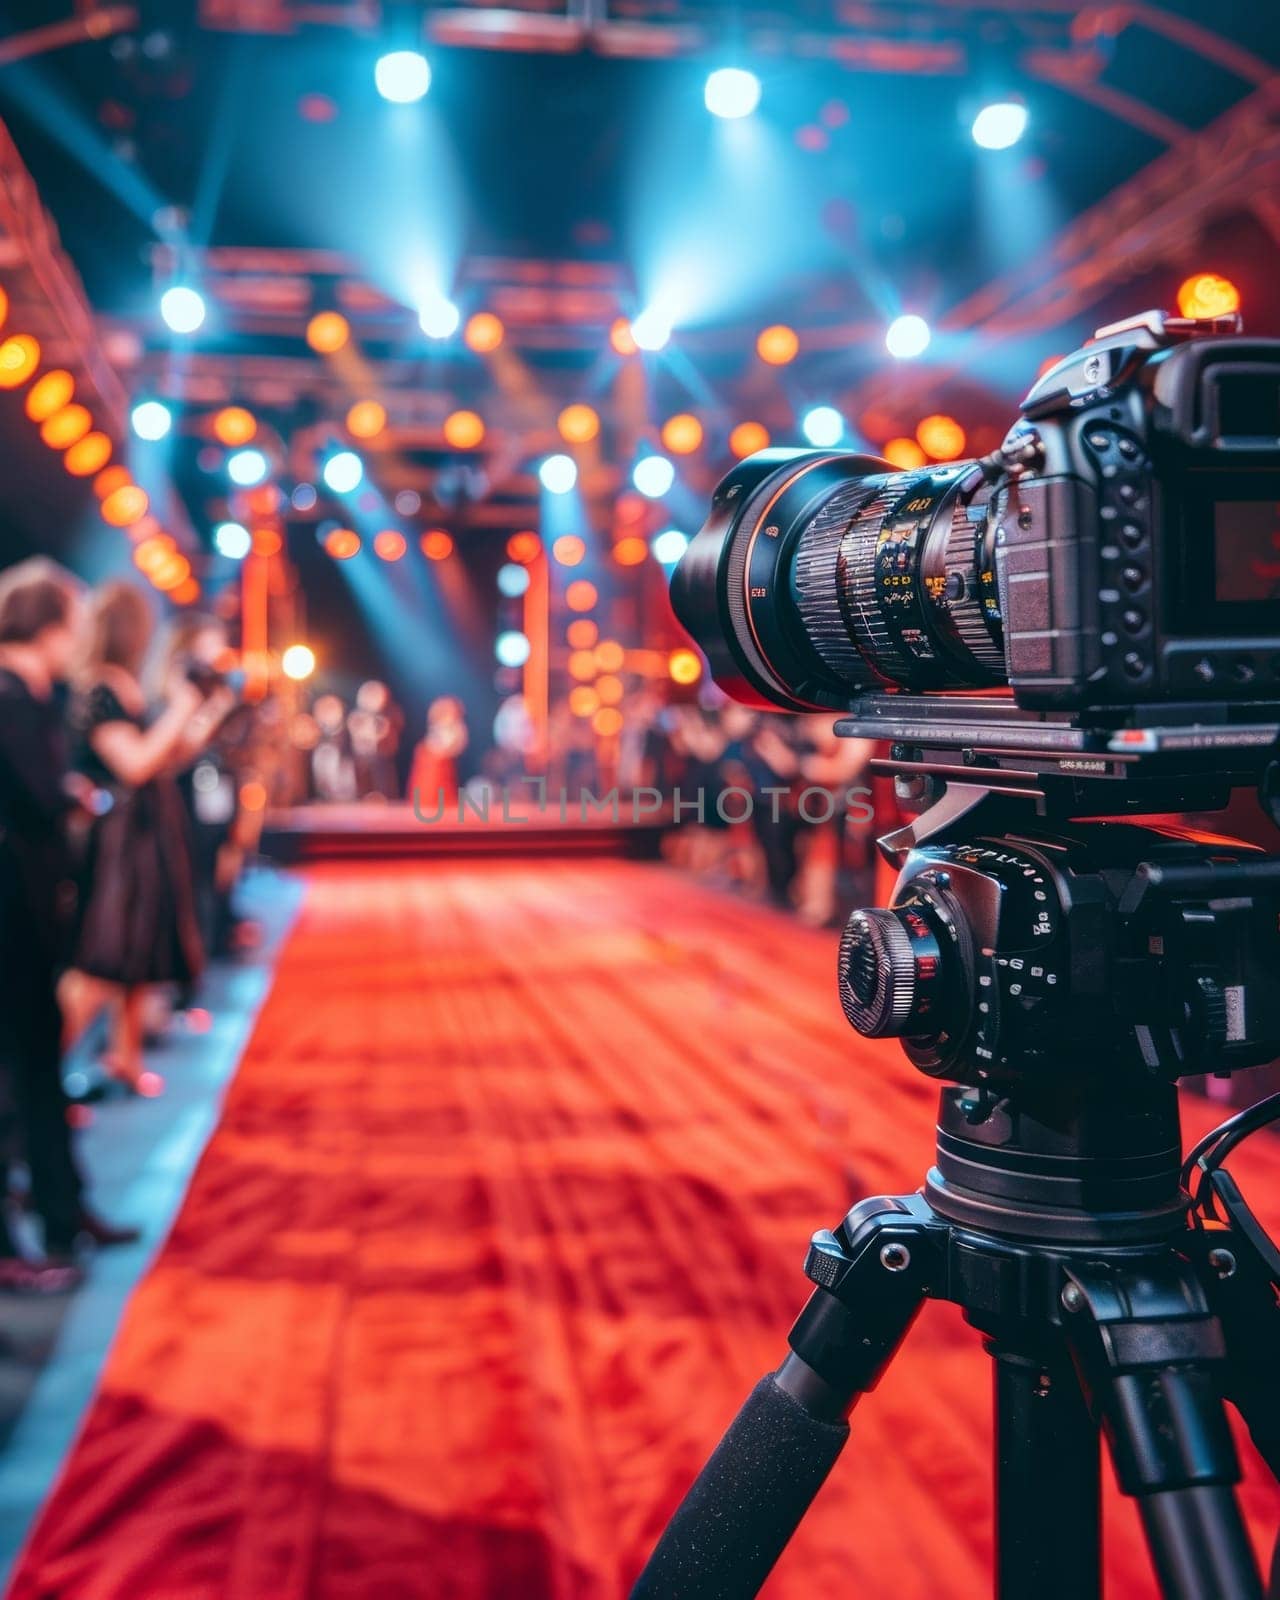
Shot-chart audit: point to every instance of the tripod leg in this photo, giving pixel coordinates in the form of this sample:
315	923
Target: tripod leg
1148	1348
1047	1501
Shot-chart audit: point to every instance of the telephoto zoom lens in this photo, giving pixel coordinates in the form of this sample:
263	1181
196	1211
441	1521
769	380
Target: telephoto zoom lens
818	576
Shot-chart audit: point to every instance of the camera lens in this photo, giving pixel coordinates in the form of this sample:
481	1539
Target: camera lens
817	576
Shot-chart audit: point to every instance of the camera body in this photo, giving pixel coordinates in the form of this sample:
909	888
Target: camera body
1122	548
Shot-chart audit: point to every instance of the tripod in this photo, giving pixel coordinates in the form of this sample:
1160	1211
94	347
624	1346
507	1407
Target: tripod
1054	1216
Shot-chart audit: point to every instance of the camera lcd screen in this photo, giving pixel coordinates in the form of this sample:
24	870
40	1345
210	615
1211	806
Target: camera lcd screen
1246	542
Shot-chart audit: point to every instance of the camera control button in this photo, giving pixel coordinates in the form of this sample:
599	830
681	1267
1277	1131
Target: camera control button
1132	535
1100	440
1134	664
1133	577
1204	670
1129	449
1134	619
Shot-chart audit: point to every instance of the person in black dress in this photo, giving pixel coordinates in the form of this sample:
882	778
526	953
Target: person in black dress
138	922
39	613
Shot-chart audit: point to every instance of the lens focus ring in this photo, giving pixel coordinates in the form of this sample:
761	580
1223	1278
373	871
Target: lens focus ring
877	974
817	587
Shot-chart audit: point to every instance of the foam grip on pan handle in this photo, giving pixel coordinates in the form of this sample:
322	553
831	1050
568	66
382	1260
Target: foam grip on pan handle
745	1504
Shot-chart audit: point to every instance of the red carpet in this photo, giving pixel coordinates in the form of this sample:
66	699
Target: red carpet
504	1216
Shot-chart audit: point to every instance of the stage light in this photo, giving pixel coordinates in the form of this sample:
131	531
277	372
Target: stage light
941	437
253	795
669	546
19	358
232	539
234	426
747	438
366	419
63	428
390	544
182	308
650	331
327	332
582	665
731	92
630	552
580	595
1000	125
568	549
436	544
438	318
905	454
111	479
1208	295
151	554
778	345
88	455
151	420
584	701
304	497
653	476
513	580
682	434
464	430
822	426
402	76
607	722
582	634
684	666
247	467
298	662
609	655
907	337
610	690
558	474
408	502
50	394
620	337
524	547
267	542
125	506
172	574
342	543
186	594
578	424
343	472
512	648
483	333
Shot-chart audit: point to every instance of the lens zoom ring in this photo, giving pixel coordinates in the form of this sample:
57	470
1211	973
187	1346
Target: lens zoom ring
817	587
967	615
856	581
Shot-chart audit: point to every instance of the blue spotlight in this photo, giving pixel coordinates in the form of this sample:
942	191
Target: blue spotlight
402	76
151	419
650	330
558	474
512	648
1000	125
653	476
669	546
182	308
232	539
907	337
732	92
343	472
438	318
513	580
822	426
247	467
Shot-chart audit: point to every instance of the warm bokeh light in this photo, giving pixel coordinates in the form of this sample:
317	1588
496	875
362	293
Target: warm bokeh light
464	430
580	595
49	394
610	690
328	331
582	665
1208	295
524	547
125	506
904	453
19	358
150	554
171	574
630	552
4	306
583	701
778	345
390	544
253	796
747	438
582	633
620	337
186	594
685	666
436	544
111	479
682	434
483	333
234	426
578	424
263	500
941	437
88	455
607	722
366	419
298	662
568	550
267	541
64	427
342	543
609	655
